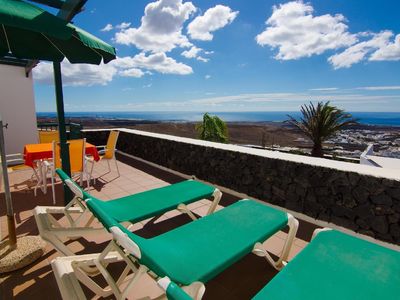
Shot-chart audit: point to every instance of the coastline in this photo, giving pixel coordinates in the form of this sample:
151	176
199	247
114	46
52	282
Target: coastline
275	135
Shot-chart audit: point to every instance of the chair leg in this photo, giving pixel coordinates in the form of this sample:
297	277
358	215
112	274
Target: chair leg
87	179
38	180
91	173
116	165
43	170
53	188
108	163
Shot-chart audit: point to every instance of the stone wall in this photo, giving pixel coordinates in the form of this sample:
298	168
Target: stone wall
363	203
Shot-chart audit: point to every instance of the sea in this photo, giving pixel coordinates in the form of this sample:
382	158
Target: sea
368	118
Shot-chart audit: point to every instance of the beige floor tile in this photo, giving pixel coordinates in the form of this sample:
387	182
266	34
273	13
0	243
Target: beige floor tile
172	213
281	234
202	210
197	204
147	288
301	243
274	245
294	251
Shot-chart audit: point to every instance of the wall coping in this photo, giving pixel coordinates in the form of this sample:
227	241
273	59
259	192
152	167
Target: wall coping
391	174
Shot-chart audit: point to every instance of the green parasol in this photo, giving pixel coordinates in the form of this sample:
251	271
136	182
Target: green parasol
29	32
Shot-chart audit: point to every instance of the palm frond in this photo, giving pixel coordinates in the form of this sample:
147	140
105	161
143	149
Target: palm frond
321	121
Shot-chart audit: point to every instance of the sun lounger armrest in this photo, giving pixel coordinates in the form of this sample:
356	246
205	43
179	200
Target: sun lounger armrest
319	230
173	291
123	239
76	189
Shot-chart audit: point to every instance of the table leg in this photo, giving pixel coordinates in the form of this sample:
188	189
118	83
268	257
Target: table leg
44	177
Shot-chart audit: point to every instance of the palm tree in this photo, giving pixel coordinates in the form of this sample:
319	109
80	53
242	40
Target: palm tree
212	129
320	122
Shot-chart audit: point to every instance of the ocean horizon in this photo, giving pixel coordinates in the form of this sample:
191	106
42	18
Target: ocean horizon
368	118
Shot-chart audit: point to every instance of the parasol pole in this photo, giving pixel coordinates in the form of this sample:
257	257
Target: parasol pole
68	10
12	236
64	146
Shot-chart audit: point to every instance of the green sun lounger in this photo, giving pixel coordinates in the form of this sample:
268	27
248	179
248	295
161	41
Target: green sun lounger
191	254
333	266
337	266
132	209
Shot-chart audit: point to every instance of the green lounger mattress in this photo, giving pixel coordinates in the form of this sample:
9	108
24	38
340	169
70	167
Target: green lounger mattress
141	206
337	266
199	250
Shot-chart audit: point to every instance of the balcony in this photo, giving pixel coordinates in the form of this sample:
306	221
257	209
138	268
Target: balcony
290	182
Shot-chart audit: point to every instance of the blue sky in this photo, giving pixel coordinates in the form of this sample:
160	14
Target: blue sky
258	55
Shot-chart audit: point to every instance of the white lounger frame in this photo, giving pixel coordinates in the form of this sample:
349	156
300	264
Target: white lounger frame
76	212
128	251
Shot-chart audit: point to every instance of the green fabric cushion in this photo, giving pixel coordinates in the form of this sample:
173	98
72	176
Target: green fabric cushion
138	207
199	250
337	266
105	219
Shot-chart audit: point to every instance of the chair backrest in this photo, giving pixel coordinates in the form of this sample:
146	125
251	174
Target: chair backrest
111	144
48	136
76	155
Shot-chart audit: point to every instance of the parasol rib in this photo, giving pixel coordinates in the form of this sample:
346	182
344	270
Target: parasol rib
5	33
55	46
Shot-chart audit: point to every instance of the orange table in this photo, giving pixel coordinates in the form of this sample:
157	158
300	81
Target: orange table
34	152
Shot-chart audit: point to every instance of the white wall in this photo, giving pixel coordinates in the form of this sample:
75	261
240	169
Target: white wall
17	108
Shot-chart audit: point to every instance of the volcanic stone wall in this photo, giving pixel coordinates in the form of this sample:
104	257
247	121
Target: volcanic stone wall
365	204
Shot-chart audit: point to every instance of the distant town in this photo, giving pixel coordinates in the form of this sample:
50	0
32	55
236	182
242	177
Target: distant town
386	142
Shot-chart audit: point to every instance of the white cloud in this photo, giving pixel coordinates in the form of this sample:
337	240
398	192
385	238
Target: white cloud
158	62
388	51
380	88
215	18
194	52
108	27
132	72
76	74
324	89
127	89
203	59
161	27
123	25
89	75
297	33
300	98
361	50
207	76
